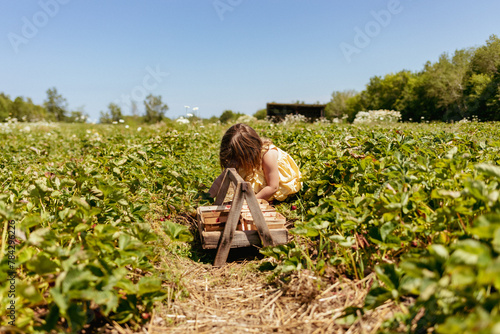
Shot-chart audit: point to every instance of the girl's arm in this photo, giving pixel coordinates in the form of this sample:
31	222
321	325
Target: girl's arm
271	173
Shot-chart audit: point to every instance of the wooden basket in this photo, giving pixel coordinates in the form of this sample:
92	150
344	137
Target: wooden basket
241	223
274	220
212	221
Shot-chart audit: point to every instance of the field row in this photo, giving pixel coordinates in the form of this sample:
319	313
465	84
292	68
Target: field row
418	204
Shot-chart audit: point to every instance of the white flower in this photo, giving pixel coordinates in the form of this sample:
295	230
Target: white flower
372	116
121	121
182	120
126	126
115	122
289	119
139	129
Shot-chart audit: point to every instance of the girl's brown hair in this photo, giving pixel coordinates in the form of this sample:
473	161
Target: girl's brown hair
241	148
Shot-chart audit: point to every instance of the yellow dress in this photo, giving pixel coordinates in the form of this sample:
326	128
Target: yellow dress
289	175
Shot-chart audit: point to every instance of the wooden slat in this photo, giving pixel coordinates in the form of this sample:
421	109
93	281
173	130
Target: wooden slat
226	239
210	239
234	176
258	218
232	222
221	194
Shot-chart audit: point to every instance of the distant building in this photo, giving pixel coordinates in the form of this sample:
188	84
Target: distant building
278	111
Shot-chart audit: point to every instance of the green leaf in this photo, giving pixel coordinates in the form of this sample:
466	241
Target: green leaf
149	284
127	286
410	285
81	227
485	226
393	206
60	300
81	202
122	202
29	292
451	153
490	170
471	252
55	193
448	194
107	300
305	231
31	220
462	276
377	296
41	185
76	316
177	232
496	240
75	279
386	230
96	192
440	252
123	241
120	162
387	273
42	264
349	316
37	237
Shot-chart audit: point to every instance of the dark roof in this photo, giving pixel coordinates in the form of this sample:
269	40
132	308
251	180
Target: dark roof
296	105
278	111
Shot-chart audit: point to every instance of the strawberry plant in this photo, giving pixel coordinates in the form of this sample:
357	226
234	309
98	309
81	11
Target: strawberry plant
96	209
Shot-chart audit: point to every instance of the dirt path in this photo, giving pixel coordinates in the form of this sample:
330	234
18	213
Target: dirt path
237	299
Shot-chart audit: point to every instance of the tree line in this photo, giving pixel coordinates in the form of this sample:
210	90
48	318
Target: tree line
55	109
465	84
154	111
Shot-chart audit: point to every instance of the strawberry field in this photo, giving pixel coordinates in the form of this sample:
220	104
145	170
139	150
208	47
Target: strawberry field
104	213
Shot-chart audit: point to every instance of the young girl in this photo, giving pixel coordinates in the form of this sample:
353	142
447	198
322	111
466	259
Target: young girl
272	172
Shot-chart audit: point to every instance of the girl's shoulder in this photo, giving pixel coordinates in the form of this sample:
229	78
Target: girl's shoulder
267	146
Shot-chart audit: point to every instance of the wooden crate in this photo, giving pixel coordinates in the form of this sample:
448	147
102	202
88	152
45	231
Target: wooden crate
212	220
210	239
230	237
274	220
263	205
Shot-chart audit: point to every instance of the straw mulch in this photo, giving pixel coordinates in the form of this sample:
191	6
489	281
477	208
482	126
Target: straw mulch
234	299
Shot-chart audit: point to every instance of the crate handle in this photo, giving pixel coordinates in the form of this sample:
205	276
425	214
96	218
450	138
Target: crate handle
243	191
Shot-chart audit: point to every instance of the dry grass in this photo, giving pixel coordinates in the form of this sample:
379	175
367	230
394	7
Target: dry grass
237	299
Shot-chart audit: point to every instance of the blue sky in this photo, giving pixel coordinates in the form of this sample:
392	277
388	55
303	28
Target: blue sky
224	54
